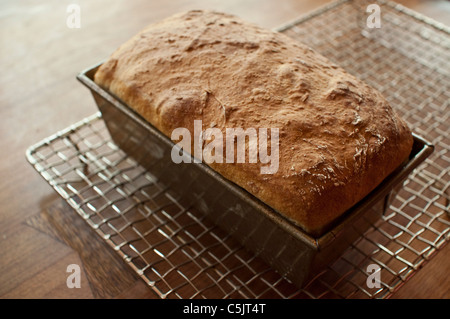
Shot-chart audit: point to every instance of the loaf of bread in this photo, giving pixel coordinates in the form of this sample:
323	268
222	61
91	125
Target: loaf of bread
338	137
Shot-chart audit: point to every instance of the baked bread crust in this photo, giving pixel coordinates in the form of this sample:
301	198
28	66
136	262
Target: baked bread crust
338	137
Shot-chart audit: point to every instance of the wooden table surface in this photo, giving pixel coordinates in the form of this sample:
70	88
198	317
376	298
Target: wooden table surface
40	57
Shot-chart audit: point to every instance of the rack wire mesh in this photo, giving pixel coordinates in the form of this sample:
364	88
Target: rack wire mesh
180	254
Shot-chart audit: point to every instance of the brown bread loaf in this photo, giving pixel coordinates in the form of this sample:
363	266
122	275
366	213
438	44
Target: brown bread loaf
338	137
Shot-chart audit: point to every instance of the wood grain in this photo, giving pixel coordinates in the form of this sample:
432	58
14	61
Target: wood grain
39	95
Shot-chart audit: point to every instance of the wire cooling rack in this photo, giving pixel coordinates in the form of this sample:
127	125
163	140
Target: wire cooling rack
180	254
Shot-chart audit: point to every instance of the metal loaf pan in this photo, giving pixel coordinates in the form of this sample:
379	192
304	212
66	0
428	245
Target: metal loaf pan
285	247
